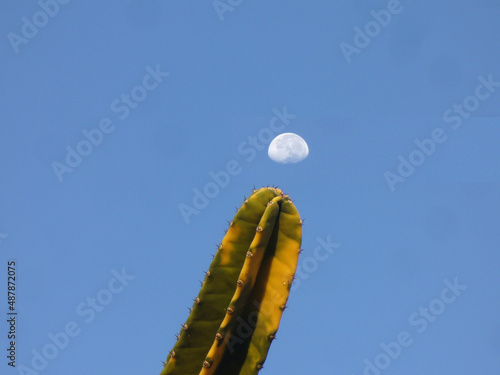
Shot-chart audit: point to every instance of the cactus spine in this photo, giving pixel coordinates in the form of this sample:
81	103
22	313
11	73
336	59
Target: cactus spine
237	312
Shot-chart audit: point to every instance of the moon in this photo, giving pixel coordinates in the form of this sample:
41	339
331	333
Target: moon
288	148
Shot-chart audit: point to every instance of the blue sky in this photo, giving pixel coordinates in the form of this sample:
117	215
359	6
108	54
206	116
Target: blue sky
403	174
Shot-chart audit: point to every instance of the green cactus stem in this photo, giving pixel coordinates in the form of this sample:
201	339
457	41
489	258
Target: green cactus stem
237	312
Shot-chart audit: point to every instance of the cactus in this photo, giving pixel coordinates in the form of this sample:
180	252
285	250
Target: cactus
237	312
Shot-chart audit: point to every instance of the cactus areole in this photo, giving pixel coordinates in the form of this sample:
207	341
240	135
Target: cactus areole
237	312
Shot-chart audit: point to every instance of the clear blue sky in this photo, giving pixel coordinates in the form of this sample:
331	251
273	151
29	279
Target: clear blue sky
429	76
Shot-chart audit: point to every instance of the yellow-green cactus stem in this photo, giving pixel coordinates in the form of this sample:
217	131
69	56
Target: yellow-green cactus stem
236	315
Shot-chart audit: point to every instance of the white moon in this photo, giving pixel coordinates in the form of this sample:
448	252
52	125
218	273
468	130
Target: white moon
288	148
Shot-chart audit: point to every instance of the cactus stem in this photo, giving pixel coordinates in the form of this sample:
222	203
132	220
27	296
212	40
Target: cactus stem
268	229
